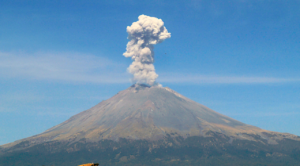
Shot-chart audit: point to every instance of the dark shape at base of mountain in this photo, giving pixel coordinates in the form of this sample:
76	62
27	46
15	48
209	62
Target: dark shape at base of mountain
218	149
145	125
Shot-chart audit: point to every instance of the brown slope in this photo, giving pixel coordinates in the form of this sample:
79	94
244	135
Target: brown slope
151	113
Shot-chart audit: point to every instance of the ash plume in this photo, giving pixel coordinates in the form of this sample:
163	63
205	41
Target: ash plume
143	35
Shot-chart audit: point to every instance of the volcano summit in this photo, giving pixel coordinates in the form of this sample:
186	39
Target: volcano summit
147	125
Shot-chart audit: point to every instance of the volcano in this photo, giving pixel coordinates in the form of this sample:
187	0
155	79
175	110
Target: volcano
147	125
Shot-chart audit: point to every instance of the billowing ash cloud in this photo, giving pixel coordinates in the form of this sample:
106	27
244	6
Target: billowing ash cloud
143	35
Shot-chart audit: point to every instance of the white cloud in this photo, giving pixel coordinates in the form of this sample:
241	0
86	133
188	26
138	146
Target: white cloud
206	79
70	67
82	68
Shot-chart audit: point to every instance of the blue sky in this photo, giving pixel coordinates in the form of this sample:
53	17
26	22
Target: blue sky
238	57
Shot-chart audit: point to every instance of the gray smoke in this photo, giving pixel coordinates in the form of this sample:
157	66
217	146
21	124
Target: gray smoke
143	35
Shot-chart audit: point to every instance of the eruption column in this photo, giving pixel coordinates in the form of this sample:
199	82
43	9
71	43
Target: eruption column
143	35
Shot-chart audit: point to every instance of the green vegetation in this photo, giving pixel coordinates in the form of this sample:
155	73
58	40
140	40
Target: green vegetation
215	150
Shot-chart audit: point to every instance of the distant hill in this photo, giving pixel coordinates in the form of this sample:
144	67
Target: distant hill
145	125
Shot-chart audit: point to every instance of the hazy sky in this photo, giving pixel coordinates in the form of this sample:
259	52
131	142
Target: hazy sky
238	57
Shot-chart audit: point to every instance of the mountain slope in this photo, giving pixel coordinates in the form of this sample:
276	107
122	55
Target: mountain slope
162	119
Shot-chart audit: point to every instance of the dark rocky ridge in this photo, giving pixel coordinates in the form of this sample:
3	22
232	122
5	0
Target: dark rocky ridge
153	125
